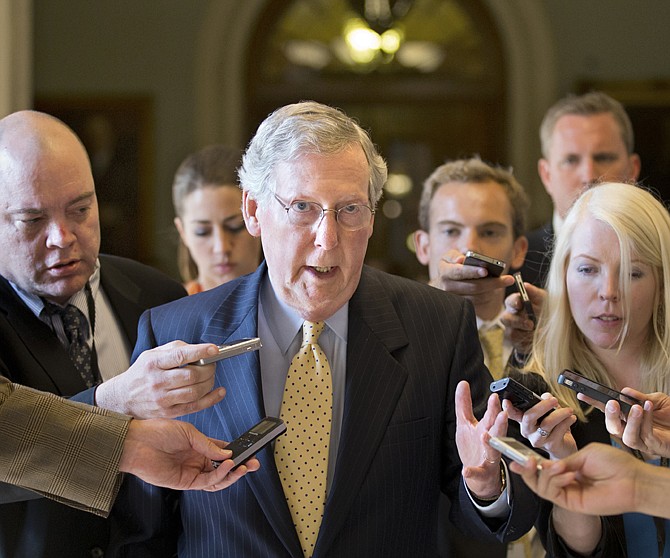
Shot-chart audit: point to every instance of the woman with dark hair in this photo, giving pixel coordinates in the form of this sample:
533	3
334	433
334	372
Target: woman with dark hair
215	246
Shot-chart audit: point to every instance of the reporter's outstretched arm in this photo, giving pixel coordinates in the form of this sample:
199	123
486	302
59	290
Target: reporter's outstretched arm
174	454
160	384
64	450
601	480
72	453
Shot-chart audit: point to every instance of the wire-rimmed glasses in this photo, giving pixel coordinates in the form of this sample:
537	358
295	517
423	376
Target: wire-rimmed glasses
351	217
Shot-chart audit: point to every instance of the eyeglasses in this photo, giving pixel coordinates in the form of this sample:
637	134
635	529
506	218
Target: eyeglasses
352	217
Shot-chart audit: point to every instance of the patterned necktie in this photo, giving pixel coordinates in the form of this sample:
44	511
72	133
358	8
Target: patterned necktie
301	454
74	325
492	343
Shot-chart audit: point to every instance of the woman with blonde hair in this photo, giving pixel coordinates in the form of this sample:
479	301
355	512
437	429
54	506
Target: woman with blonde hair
606	317
215	246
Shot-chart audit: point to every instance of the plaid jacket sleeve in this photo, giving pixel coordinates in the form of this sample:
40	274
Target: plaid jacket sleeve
61	449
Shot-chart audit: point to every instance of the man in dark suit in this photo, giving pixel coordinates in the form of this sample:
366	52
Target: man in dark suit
584	139
396	365
49	244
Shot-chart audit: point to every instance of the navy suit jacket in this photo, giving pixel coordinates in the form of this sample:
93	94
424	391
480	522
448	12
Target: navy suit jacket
408	346
31	354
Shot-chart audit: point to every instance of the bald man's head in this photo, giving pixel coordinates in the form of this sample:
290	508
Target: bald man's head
49	227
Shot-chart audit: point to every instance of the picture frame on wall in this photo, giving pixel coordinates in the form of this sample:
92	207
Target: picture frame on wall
118	136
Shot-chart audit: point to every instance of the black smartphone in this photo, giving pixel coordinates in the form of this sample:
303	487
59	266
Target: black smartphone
519	395
515	450
255	439
494	267
527	306
599	392
232	349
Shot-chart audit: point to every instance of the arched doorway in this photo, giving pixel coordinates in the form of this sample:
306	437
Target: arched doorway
440	95
230	104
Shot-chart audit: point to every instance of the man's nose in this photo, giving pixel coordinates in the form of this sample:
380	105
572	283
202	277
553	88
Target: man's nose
327	230
59	234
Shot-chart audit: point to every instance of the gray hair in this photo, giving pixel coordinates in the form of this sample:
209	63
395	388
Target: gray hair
589	104
299	129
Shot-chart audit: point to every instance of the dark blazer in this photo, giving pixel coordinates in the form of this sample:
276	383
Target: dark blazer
408	346
30	354
538	259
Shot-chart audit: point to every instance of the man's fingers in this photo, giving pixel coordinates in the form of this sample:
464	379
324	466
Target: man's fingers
215	480
464	403
178	353
194	405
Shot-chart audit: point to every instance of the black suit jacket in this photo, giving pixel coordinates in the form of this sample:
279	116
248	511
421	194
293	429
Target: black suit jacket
408	346
30	354
538	259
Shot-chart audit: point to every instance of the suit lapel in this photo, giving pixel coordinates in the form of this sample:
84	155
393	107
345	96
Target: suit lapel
374	382
124	297
243	407
54	371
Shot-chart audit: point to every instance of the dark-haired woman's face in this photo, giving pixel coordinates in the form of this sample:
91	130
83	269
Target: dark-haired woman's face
213	230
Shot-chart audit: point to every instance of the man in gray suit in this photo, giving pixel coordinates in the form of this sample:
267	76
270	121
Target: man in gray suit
49	262
396	364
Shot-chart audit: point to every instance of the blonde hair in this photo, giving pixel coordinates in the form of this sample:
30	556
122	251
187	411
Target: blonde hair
642	226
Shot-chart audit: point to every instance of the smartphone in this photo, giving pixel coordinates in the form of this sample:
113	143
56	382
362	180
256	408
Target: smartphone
527	306
494	267
232	349
594	390
515	450
519	395
254	440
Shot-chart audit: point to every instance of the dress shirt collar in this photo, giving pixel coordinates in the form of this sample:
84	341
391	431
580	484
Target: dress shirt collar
556	222
485	325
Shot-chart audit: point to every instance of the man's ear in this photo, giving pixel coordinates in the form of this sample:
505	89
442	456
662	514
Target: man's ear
249	209
635	165
544	170
422	245
520	251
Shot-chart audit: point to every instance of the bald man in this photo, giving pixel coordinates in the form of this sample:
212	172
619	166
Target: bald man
50	262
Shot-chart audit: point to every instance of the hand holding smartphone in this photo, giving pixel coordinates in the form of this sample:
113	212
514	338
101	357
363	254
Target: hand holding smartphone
594	390
228	350
495	267
519	395
527	305
516	451
254	440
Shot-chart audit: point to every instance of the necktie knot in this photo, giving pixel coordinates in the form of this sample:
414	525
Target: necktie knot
492	342
311	331
75	327
75	323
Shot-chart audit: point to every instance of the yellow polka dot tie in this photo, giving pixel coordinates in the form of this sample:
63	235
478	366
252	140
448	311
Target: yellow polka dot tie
492	343
301	454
